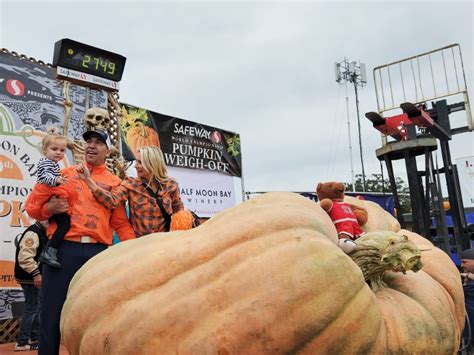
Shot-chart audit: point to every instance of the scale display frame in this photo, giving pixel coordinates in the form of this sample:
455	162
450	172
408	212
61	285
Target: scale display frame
84	58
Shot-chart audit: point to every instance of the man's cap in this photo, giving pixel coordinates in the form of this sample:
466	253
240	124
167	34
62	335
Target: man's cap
101	134
467	254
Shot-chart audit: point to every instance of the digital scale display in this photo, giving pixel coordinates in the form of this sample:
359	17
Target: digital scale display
84	58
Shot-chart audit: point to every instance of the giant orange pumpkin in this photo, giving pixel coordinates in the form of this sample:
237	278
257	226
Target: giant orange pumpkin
265	276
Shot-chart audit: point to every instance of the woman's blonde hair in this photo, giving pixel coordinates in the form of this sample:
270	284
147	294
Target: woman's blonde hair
52	136
153	162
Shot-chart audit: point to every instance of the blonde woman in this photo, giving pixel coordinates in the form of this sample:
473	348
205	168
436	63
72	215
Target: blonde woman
153	196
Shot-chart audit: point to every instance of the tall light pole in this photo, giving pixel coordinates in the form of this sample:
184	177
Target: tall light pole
354	73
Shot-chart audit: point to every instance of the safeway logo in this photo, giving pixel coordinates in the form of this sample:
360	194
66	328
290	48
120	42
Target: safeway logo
15	87
216	137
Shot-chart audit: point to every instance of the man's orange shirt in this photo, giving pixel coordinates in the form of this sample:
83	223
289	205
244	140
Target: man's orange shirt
88	216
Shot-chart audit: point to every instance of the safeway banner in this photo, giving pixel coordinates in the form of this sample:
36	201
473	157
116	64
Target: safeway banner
465	167
185	144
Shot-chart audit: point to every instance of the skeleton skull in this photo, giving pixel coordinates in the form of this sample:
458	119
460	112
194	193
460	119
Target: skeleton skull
97	117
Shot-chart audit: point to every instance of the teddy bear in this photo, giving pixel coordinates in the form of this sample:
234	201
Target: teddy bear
347	218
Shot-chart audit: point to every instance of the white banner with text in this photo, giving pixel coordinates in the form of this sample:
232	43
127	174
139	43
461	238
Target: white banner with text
205	192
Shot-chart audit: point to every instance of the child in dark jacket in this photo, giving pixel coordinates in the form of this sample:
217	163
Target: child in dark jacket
28	275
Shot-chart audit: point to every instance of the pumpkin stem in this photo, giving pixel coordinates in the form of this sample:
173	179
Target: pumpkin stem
142	129
379	251
132	125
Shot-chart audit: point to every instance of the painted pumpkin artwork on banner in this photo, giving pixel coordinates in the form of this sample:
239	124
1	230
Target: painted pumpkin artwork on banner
137	133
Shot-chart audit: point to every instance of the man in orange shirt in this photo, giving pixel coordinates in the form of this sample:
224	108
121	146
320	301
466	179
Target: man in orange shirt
91	232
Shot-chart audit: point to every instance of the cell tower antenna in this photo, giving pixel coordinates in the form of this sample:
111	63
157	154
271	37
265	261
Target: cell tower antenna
356	74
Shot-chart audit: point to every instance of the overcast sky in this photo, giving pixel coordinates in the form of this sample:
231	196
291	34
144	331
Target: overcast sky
262	69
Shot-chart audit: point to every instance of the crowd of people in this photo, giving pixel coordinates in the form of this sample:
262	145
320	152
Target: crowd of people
84	205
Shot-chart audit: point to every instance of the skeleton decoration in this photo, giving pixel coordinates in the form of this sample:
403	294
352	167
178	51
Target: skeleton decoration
77	148
98	118
115	163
